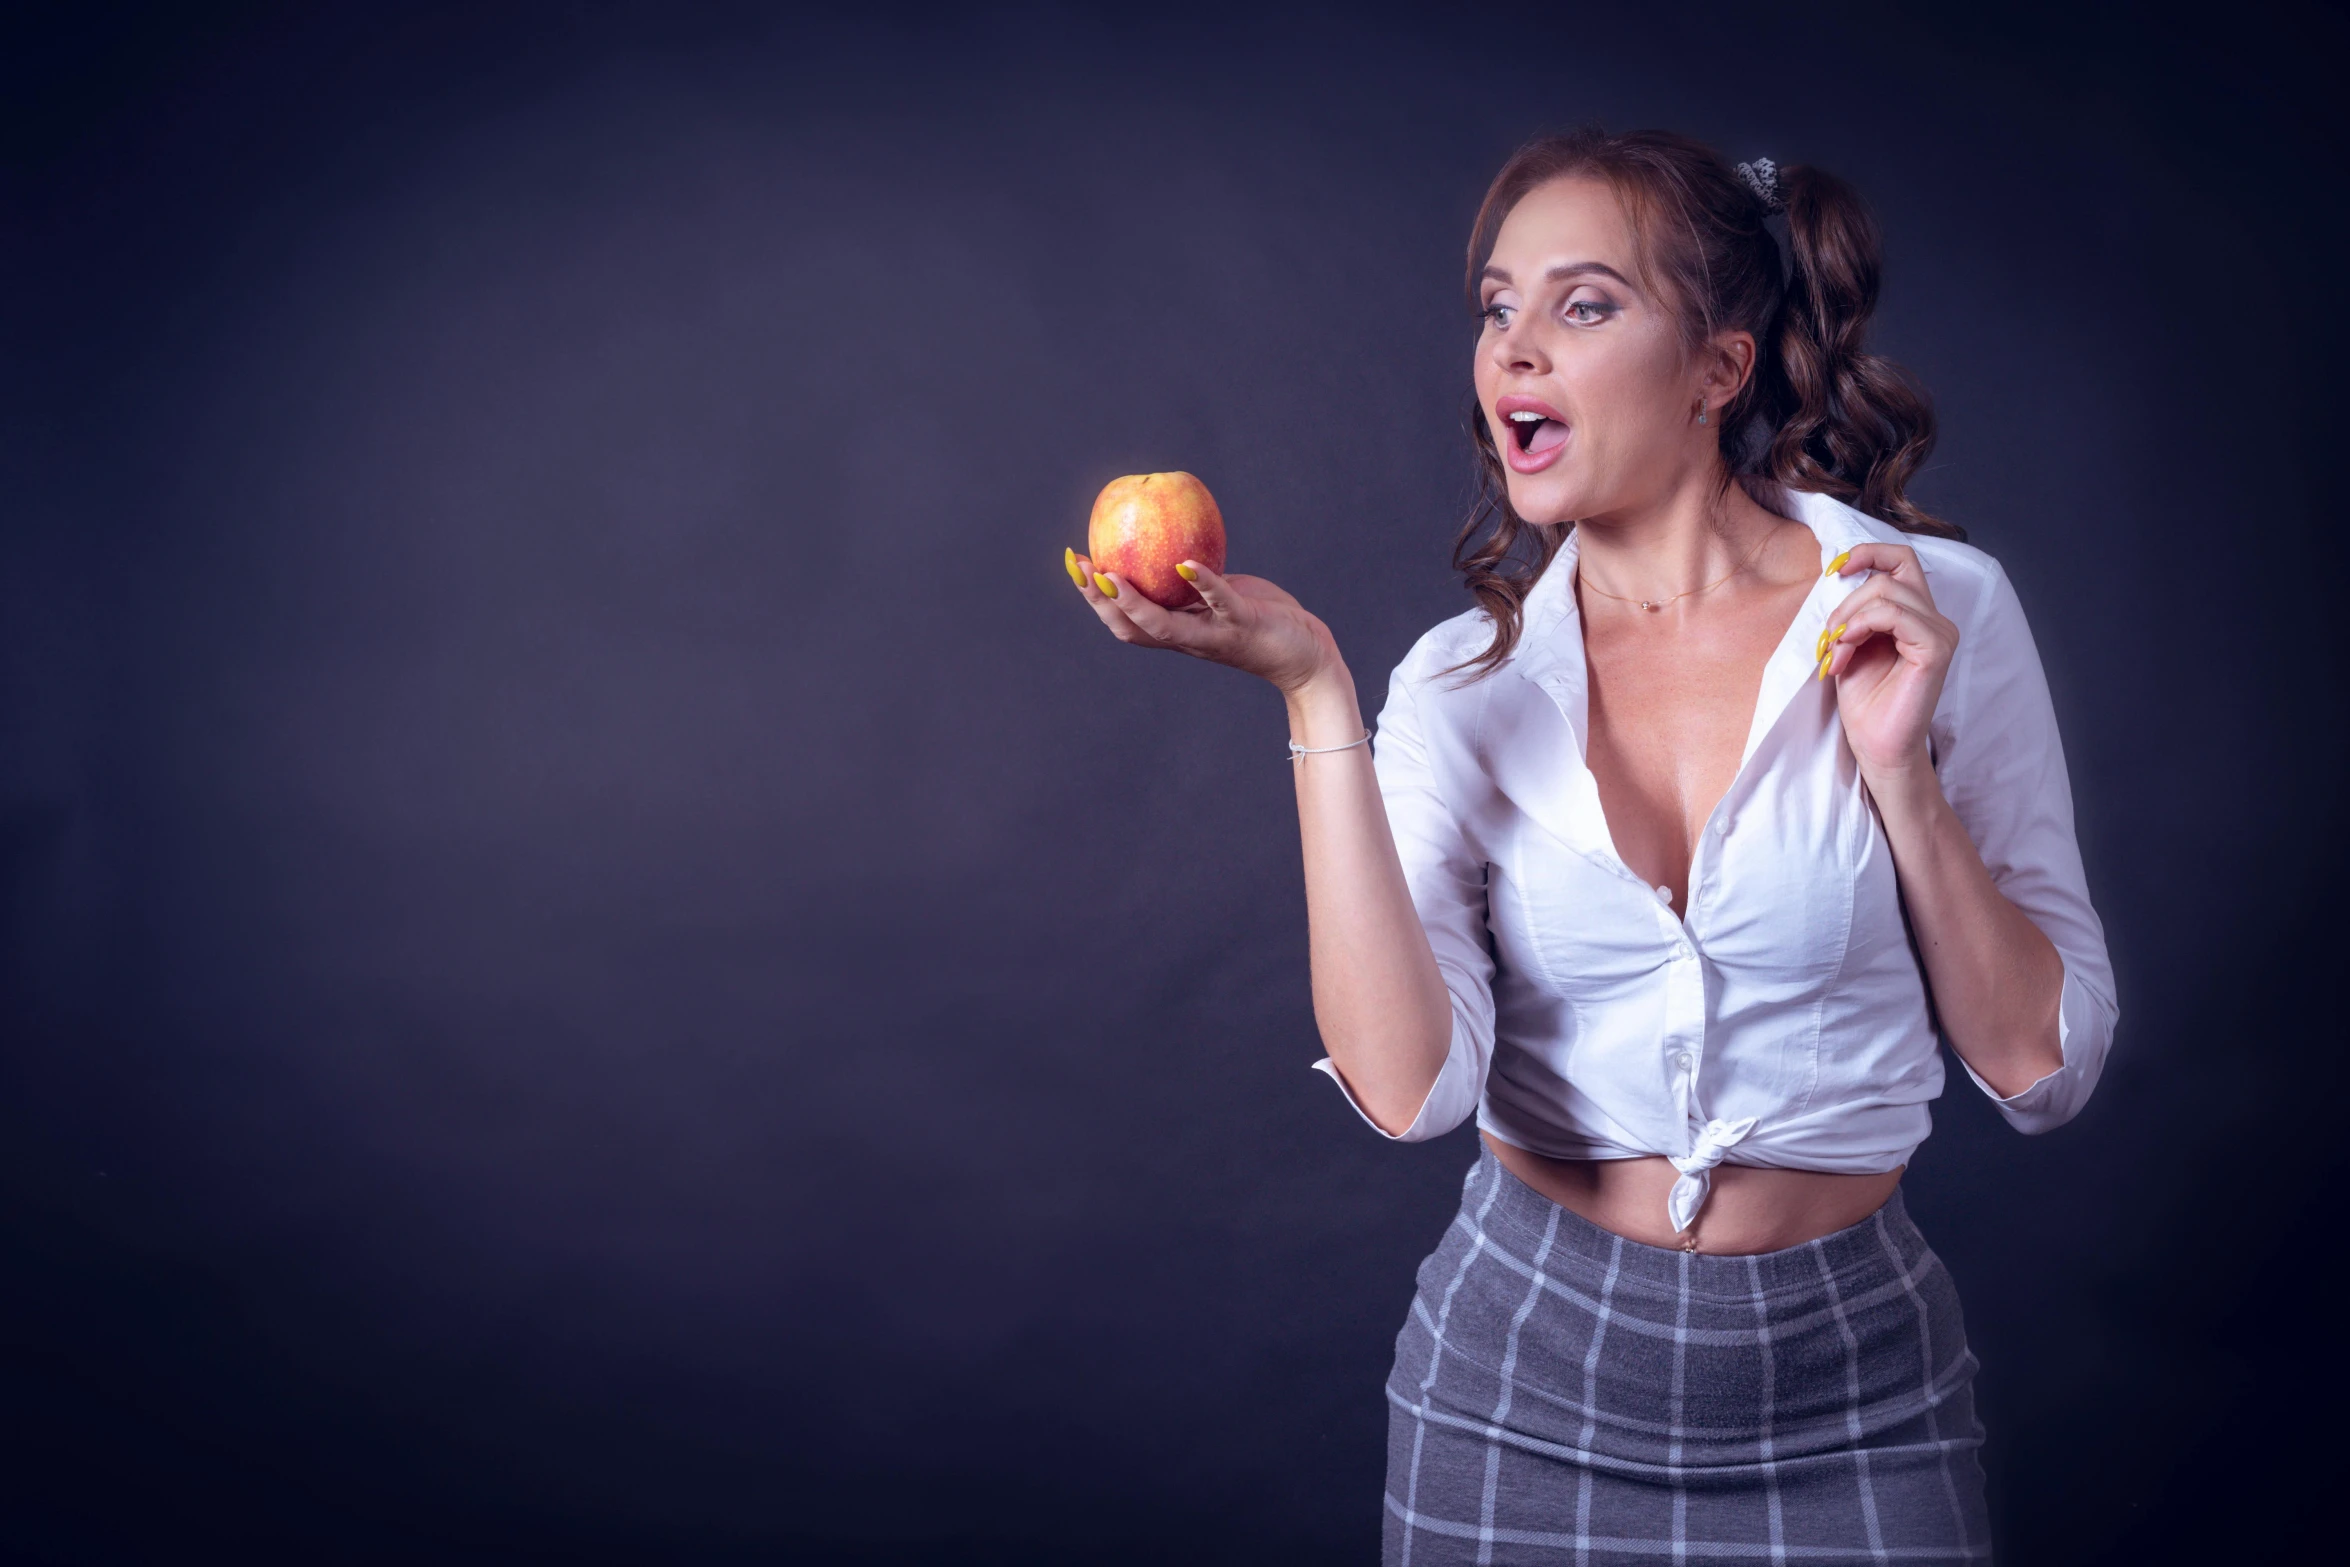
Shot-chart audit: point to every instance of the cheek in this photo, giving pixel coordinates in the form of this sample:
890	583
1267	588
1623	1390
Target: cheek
1626	376
1630	402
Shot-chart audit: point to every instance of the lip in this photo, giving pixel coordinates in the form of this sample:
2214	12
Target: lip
1524	461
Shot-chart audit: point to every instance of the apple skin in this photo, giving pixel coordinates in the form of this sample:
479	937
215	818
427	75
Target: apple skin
1145	523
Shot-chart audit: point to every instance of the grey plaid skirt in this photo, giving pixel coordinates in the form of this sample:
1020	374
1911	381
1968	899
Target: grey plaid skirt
1563	1395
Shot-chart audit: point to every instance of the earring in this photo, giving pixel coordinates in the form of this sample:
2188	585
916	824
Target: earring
1701	410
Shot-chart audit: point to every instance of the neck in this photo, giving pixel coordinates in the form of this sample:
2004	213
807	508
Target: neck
1675	542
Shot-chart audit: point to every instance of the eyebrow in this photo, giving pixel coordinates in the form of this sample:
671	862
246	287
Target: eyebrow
1561	272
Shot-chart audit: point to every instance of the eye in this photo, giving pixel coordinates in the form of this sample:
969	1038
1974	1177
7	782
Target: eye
1587	312
1498	316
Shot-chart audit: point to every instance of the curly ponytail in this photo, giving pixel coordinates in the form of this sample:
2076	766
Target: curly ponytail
1819	413
1855	426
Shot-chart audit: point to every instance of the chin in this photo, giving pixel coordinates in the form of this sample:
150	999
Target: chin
1545	503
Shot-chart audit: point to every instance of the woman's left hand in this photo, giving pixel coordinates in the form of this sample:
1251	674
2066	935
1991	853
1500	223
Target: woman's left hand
1888	649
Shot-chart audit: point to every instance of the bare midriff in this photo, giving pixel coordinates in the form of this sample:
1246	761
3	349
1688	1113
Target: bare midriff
1750	1209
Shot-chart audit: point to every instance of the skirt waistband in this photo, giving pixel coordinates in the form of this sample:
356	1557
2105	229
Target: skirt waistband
1882	1245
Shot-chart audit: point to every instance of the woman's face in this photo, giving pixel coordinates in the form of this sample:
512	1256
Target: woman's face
1581	371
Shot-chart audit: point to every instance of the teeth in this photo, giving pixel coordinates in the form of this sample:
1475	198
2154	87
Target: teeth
1526	416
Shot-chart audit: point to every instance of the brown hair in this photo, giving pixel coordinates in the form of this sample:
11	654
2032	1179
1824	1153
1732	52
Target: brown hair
1818	413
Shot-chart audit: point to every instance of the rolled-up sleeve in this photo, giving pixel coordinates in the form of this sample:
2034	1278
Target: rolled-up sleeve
2002	769
1447	882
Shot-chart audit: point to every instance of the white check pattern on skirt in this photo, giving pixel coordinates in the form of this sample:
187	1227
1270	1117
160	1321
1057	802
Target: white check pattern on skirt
1563	1395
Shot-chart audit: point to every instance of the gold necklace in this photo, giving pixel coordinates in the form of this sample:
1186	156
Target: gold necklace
1654	604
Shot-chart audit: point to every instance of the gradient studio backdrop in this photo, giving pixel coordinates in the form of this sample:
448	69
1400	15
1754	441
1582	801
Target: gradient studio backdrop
602	963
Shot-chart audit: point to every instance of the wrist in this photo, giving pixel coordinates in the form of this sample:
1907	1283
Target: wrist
1323	709
1908	791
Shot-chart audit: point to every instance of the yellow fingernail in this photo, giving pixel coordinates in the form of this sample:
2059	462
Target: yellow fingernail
1837	635
1825	660
1076	572
1819	649
1837	564
1183	570
1109	588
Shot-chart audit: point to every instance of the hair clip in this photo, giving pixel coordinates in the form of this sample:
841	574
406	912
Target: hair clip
1762	177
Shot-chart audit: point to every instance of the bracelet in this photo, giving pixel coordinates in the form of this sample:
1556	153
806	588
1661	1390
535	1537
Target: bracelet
1296	751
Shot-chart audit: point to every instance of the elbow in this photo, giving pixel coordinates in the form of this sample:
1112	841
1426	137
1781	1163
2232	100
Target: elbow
1406	1095
1396	1102
2046	1073
2036	1089
2015	1068
2035	1114
1399	1115
2014	1046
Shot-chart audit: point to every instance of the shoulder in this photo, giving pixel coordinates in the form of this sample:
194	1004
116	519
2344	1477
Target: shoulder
1431	693
1442	648
1968	584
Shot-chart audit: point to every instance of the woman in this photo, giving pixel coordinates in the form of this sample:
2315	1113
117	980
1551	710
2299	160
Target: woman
1739	785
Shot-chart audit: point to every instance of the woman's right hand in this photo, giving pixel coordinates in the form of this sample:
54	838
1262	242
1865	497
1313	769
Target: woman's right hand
1245	622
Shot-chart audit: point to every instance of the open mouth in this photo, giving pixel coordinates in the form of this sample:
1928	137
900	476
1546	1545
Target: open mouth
1534	432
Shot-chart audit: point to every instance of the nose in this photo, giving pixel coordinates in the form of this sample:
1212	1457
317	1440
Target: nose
1515	349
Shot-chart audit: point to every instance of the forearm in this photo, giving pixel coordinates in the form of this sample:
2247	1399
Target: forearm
1997	981
1379	1000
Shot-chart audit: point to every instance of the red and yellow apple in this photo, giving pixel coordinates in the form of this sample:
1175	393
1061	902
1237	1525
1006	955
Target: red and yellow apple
1145	524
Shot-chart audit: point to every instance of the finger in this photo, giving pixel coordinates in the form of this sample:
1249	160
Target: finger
1840	644
1897	561
1218	594
1910	634
1165	627
1872	555
1089	582
1879	586
1077	566
1111	611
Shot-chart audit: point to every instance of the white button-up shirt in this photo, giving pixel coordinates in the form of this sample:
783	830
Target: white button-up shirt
1785	1021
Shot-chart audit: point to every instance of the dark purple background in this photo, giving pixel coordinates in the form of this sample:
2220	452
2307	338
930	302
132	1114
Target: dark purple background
602	963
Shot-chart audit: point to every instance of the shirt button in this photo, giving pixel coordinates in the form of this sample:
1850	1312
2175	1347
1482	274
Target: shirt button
1721	826
1664	895
1683	1061
1681	954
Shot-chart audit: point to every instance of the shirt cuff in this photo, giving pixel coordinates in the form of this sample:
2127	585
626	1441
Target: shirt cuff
2082	1033
1452	1098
